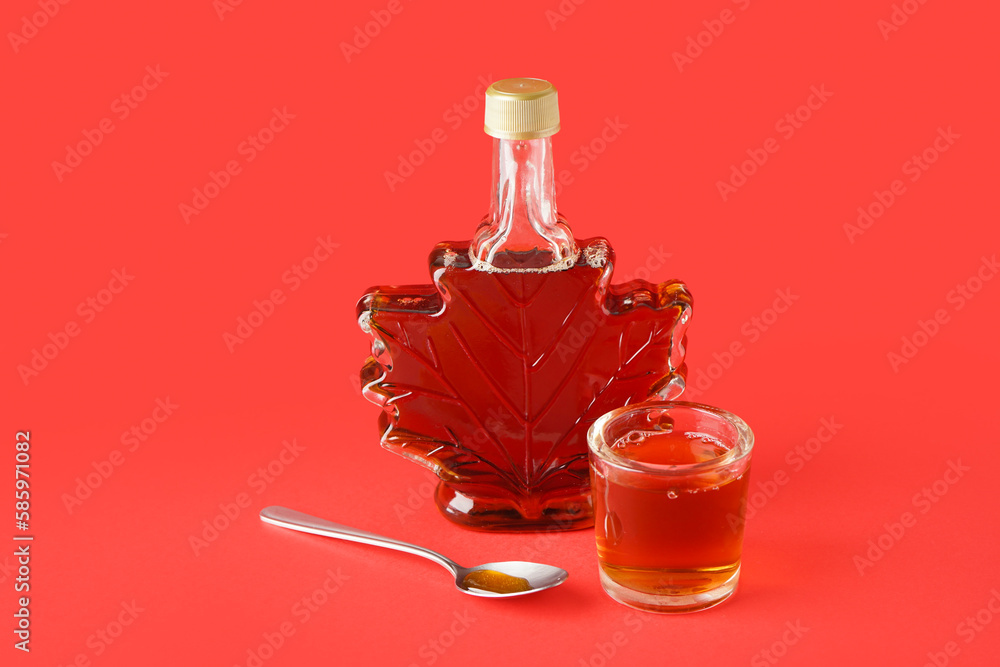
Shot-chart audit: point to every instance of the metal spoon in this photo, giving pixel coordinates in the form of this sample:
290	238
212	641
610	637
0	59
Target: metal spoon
492	581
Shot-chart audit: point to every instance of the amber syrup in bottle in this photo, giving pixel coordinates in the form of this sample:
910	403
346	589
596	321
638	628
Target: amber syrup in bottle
491	374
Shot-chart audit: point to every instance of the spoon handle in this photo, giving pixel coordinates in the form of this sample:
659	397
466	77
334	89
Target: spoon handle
305	523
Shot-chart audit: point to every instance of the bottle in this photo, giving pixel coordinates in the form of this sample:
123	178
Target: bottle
491	374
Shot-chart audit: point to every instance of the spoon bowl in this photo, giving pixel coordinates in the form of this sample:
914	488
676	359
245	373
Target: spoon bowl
500	579
514	575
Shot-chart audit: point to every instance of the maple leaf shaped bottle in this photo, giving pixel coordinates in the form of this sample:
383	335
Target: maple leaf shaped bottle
491	375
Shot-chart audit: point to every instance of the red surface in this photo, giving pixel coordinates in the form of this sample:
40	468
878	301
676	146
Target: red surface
653	190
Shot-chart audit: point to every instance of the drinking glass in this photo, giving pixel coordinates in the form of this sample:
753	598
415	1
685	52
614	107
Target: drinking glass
669	483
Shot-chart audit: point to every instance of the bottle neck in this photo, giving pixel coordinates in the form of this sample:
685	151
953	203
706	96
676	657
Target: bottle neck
523	231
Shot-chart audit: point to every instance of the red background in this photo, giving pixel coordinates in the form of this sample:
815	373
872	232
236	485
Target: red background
653	189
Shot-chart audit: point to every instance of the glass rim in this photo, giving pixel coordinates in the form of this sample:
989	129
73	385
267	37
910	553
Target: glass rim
597	437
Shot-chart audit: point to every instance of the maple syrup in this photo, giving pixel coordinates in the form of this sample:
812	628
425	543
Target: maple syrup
491	374
670	501
492	581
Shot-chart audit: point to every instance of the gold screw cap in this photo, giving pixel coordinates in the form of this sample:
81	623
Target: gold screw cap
521	109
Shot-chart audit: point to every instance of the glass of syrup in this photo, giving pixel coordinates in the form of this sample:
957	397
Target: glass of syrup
669	483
